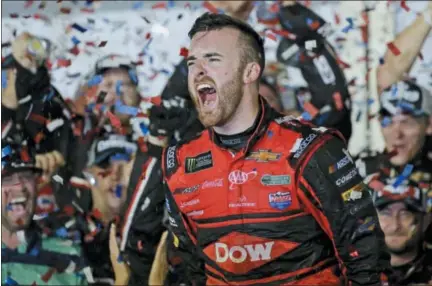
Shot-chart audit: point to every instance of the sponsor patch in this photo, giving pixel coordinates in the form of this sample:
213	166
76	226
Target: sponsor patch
264	156
188	190
340	164
238	177
198	163
212	184
346	178
170	158
280	200
304	143
275	180
355	193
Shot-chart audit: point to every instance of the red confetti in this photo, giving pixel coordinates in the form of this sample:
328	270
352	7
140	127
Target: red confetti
184	52
28	4
284	34
47	276
310	108
274	8
115	121
14	15
271	36
210	7
354	254
25	155
96	213
343	64
102	44
159	5
40	16
404	6
75	50
156	100
393	49
314	25
38	138
61	63
338	100
65	10
148	36
337	18
69	210
87	10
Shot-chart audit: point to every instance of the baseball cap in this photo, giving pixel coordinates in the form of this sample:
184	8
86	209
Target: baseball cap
407	192
110	147
18	158
116	61
406	97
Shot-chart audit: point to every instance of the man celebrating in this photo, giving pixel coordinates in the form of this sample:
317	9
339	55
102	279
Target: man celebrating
258	199
403	215
28	257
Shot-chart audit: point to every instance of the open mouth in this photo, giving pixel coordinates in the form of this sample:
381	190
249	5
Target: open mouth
17	207
207	95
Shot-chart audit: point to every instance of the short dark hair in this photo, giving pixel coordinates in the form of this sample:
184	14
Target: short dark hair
253	48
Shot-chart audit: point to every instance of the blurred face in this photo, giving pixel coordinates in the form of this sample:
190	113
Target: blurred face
236	9
271	97
405	134
400	227
215	75
18	200
128	91
109	194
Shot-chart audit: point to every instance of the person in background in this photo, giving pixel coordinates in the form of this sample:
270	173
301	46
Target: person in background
404	212
28	256
271	95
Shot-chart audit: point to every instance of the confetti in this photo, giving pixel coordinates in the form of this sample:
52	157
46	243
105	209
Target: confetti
210	7
350	25
392	47
404	6
138	5
405	174
28	4
6	151
4	78
184	52
74	51
306	116
119	258
79	28
75	40
118	191
47	276
62	63
65	10
62	232
144	129
114	120
338	100
159	5
310	108
95	80
102	44
124	109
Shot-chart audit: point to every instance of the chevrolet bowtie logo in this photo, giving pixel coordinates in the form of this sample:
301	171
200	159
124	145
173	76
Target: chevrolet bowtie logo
264	156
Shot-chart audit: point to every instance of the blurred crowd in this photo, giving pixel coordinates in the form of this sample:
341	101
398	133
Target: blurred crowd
84	189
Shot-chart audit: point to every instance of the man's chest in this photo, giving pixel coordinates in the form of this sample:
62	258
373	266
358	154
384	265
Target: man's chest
260	183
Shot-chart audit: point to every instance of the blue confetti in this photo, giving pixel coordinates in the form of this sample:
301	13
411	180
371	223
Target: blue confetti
9	207
49	96
97	79
270	134
386	121
144	128
78	27
120	157
350	25
119	84
118	192
119	258
133	76
309	21
62	232
370	101
138	5
171	4
306	116
381	61
4	79
75	40
6	151
10	282
164	71
34	252
125	109
394	90
405	174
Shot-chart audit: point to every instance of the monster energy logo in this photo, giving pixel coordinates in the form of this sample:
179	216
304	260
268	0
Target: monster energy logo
198	163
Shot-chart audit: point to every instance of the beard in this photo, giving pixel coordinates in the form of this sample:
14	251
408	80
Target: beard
410	244
228	96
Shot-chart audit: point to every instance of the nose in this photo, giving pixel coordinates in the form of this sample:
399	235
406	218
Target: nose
394	223
198	70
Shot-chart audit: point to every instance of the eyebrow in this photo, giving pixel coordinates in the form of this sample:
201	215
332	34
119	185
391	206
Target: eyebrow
208	55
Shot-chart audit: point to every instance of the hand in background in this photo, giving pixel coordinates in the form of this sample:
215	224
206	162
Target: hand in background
121	269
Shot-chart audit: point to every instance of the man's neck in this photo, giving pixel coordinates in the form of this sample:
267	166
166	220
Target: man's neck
9	238
402	259
243	118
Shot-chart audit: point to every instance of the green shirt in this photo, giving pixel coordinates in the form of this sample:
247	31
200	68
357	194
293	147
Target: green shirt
35	260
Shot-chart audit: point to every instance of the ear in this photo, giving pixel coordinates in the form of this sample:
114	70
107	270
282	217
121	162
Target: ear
251	72
429	126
